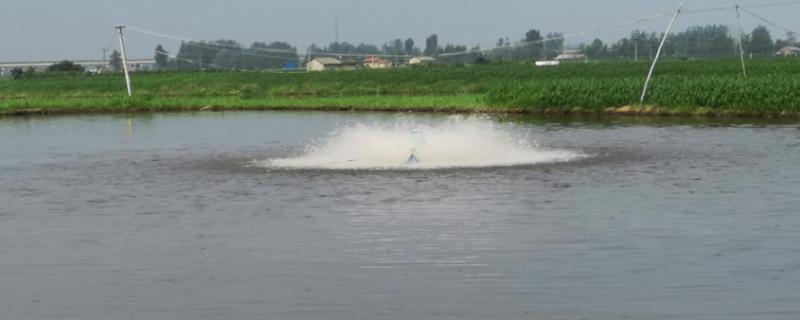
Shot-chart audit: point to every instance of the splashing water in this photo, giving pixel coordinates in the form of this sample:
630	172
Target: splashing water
456	143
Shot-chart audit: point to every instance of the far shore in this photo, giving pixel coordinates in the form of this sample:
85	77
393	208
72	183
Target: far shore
196	106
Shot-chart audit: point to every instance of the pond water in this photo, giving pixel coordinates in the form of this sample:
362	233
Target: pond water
289	215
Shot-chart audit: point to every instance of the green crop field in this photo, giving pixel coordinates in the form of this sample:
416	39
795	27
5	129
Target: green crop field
703	86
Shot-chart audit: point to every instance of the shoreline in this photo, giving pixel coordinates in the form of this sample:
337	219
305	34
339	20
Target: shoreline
626	111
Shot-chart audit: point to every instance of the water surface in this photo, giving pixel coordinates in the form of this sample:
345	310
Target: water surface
175	216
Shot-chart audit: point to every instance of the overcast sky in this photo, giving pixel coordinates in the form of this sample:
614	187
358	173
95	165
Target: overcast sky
79	29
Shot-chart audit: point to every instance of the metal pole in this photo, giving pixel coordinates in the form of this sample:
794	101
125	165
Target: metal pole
741	40
125	60
658	53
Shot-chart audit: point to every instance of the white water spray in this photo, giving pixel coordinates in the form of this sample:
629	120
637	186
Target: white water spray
456	143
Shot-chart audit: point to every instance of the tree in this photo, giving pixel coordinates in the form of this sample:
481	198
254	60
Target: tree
65	66
398	47
161	57
533	35
644	42
761	41
597	49
533	46
500	43
409	46
269	56
791	38
703	41
790	41
115	60
432	45
554	44
364	48
17	73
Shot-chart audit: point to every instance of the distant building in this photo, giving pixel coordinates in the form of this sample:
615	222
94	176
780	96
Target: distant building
322	64
789	52
568	55
550	63
377	63
421	60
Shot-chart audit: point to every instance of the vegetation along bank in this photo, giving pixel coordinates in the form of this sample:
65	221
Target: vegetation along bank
714	86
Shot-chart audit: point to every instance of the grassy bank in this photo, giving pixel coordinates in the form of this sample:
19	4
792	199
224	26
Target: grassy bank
460	103
683	87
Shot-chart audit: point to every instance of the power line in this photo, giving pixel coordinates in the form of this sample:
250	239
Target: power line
185	59
768	21
295	52
185	39
774	4
733	7
110	42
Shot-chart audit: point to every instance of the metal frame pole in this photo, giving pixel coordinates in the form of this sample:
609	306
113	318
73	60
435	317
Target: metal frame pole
658	53
124	60
741	39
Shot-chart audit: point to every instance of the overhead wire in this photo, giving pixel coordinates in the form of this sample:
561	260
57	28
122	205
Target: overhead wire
199	64
524	43
312	52
198	43
110	42
768	21
733	7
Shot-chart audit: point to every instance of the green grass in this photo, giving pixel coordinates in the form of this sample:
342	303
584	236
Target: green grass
462	103
706	86
715	86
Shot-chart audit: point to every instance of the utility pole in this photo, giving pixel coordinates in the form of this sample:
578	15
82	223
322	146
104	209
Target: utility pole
658	53
741	39
105	65
336	27
124	59
636	50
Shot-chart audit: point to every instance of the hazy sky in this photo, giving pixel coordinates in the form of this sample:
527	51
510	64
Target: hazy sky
79	29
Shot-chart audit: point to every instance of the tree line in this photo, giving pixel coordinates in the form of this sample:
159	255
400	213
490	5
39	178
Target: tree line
695	42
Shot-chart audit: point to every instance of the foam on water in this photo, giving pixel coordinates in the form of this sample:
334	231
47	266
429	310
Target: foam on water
457	142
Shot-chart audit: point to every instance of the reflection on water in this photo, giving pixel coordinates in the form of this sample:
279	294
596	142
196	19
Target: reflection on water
661	221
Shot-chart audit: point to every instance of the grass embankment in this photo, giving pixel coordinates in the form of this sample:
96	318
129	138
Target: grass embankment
680	87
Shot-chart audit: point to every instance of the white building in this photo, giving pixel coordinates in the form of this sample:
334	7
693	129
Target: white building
323	63
567	55
549	63
377	63
421	60
789	52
